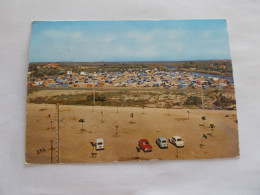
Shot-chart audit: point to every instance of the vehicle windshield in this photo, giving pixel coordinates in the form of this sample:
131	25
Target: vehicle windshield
100	143
163	141
179	140
146	143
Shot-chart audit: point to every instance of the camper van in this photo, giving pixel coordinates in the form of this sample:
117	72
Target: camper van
100	144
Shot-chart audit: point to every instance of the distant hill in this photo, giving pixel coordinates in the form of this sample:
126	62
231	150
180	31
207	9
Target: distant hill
131	62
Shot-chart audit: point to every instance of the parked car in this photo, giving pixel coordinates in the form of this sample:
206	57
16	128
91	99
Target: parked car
162	142
100	144
144	145
177	141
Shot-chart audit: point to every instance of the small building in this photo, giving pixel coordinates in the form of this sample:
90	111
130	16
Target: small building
222	66
82	73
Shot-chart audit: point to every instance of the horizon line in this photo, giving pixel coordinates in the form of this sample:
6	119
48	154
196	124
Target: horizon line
130	61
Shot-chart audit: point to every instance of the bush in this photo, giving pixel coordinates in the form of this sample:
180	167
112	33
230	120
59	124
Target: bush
193	100
224	101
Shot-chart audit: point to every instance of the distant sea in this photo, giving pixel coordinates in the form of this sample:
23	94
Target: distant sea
203	74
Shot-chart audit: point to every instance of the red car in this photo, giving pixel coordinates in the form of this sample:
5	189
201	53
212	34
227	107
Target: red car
144	145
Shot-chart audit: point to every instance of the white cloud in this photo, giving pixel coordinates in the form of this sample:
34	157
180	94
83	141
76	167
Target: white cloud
135	44
140	36
217	51
142	51
176	46
55	34
206	34
109	38
175	33
156	34
76	35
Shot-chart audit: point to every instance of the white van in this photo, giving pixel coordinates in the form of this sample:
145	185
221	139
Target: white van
100	144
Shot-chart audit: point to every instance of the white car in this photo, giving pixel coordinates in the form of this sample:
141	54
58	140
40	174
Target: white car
177	141
100	144
162	142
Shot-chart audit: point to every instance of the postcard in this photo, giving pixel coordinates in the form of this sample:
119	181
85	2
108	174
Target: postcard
109	91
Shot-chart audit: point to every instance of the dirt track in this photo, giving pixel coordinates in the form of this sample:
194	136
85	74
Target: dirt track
155	122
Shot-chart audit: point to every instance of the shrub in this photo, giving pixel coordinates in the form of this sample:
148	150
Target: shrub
224	101
193	100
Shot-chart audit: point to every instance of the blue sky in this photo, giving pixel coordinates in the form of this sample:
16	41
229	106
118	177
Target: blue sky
162	40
